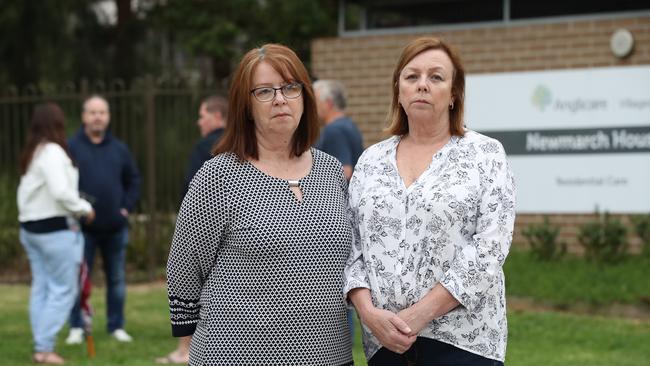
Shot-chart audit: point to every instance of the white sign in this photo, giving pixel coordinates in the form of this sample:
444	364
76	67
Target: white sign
578	140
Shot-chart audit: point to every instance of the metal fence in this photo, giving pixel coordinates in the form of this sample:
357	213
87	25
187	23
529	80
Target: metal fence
156	119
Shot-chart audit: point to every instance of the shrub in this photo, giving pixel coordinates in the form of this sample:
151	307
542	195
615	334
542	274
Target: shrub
543	240
11	252
641	225
604	239
146	248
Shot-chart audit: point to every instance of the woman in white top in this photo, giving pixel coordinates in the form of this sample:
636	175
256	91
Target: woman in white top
433	211
48	204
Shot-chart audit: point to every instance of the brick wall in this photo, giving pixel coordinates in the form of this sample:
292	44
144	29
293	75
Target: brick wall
569	228
365	65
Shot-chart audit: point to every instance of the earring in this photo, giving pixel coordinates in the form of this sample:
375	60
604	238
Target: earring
451	105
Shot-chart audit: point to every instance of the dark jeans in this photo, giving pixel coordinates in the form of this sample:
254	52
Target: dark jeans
351	315
112	245
429	352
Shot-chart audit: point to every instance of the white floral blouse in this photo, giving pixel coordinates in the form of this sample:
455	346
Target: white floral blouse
452	226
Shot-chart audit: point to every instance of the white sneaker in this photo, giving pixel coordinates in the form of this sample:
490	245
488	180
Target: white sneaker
76	336
121	335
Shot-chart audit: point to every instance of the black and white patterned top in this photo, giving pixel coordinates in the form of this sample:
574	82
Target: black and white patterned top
256	275
453	225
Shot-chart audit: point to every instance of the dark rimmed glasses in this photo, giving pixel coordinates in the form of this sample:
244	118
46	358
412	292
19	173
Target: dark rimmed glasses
267	93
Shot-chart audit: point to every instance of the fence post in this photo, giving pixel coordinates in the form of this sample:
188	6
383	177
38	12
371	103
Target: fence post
83	88
150	157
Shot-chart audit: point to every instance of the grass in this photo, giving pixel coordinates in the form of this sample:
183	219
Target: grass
147	322
535	338
147	318
574	280
552	339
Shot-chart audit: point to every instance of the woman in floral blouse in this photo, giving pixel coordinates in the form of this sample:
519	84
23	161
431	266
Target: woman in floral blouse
434	214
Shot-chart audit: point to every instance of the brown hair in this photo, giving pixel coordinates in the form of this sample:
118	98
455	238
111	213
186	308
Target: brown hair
397	120
48	125
239	136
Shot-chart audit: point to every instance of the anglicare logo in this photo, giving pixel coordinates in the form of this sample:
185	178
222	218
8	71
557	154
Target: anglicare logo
543	100
541	97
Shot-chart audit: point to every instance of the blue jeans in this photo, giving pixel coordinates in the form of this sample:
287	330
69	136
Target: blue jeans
54	259
112	245
429	352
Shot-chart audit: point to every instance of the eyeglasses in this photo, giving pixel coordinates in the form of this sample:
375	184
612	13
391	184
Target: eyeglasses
267	93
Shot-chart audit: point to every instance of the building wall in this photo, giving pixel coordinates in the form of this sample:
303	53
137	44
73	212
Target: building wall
365	65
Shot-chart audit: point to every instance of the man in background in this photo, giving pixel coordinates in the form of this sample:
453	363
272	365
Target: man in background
213	114
340	137
109	178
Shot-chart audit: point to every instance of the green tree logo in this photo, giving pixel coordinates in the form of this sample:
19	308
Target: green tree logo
541	97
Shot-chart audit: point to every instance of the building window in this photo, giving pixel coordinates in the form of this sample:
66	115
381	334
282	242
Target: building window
521	9
362	15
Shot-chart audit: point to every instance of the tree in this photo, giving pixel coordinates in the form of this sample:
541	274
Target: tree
30	29
58	40
224	30
51	41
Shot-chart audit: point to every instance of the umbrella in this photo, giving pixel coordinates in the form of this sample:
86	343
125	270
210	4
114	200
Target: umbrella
86	309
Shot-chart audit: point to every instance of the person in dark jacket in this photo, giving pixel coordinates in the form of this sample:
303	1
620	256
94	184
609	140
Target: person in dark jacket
109	178
212	120
213	113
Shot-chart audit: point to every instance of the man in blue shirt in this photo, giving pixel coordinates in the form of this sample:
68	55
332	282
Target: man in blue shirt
109	178
340	137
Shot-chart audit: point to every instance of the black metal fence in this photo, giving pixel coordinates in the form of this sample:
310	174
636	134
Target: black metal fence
155	119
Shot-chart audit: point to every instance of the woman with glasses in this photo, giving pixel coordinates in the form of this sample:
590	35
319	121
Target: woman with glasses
262	237
433	212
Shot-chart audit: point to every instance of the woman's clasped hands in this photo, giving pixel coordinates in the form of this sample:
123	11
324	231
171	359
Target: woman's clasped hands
391	331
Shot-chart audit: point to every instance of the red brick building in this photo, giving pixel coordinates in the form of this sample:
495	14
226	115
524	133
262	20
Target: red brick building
554	37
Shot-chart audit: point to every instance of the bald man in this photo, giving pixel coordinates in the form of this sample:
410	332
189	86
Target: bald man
109	178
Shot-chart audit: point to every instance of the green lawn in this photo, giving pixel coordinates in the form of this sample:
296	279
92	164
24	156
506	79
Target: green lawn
552	339
147	322
573	280
535	338
147	318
